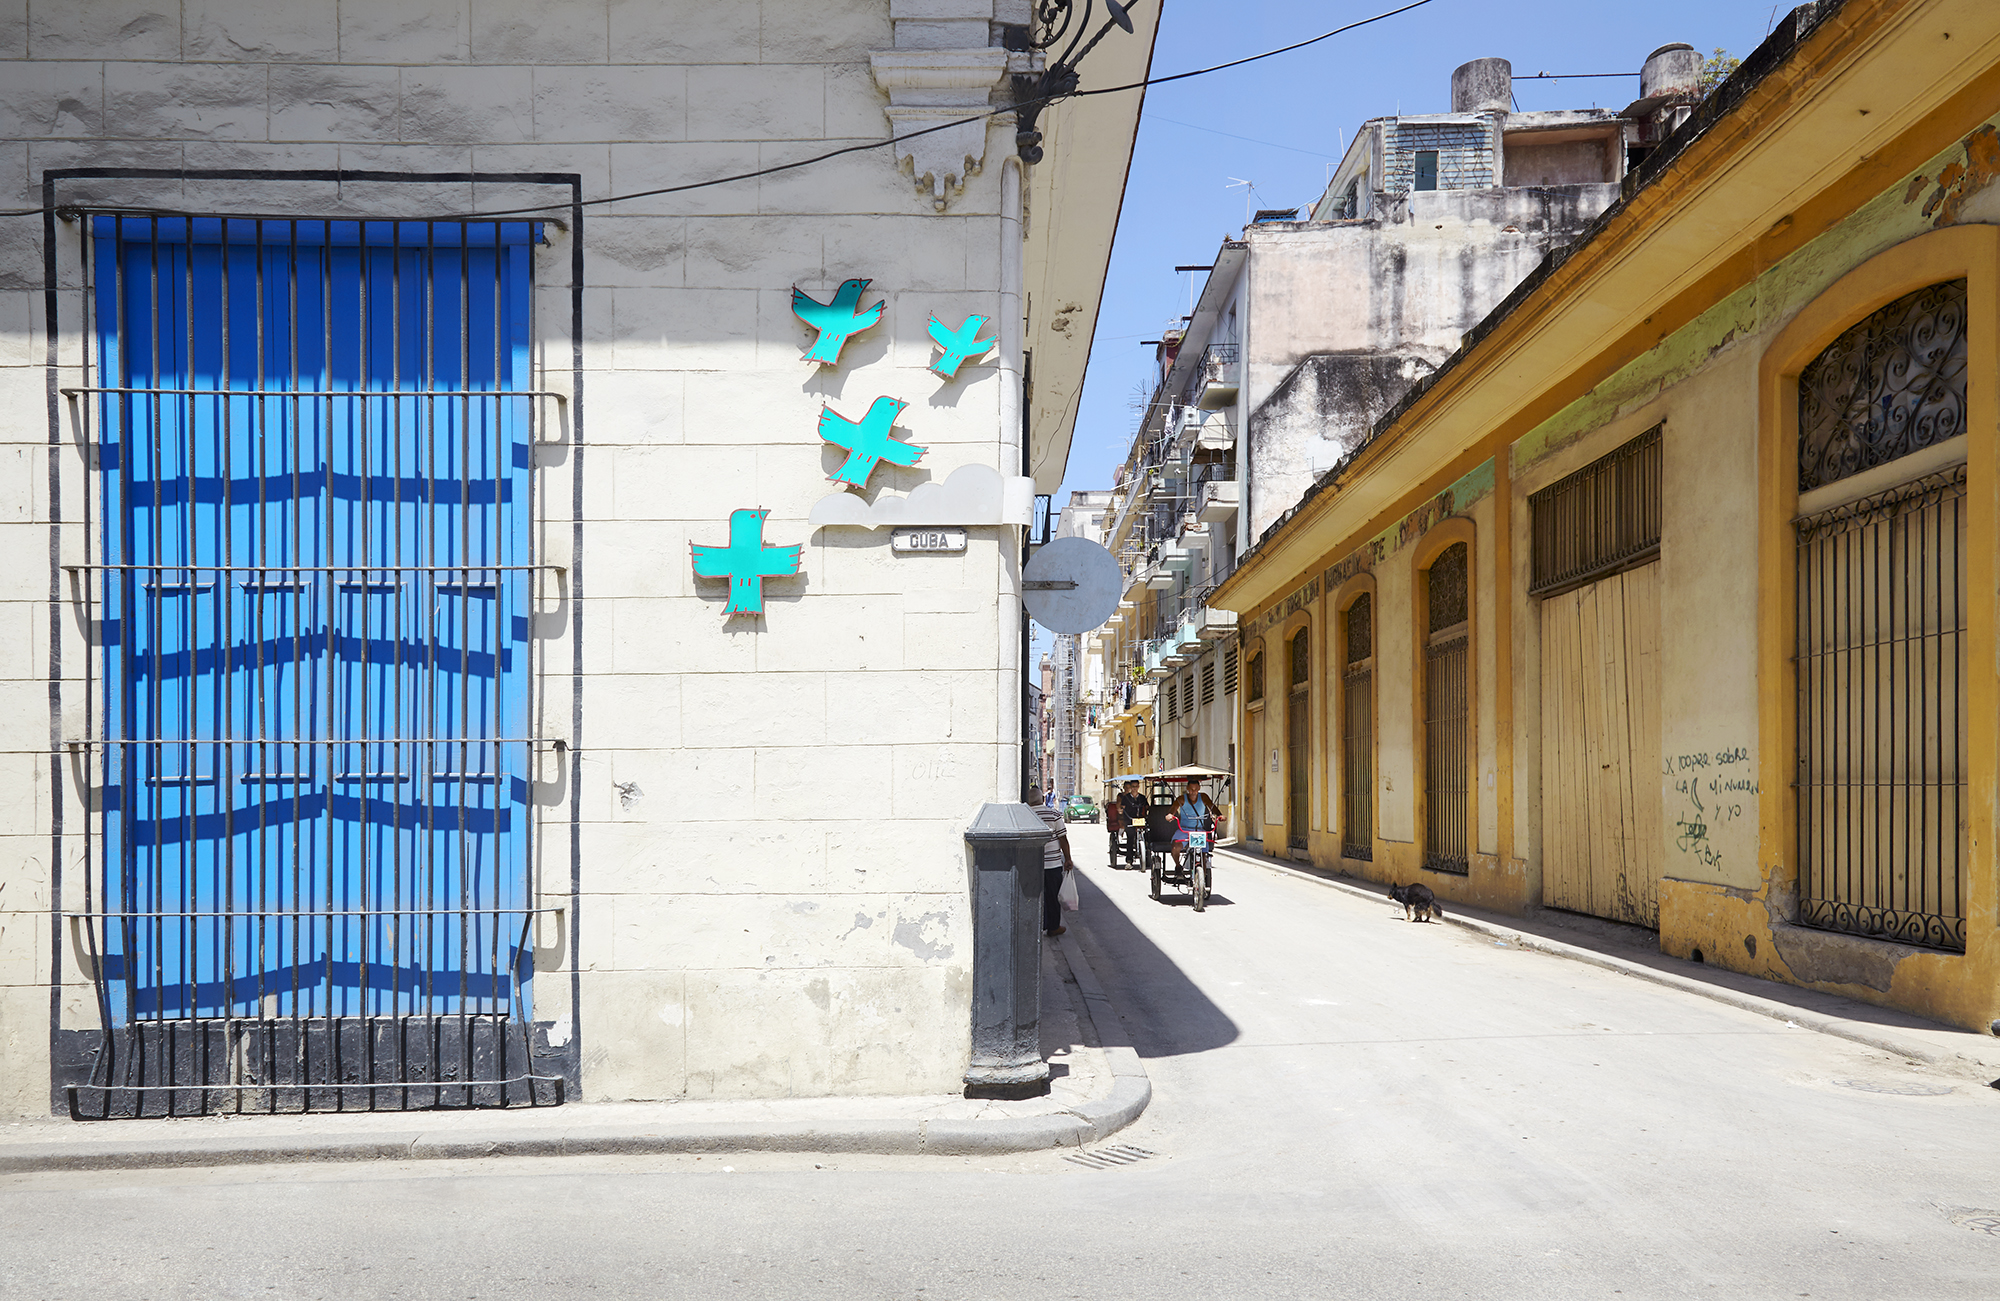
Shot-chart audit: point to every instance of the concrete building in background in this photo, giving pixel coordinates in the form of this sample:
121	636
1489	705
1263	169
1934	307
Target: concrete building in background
1076	689
1322	324
1306	331
1670	598
473	654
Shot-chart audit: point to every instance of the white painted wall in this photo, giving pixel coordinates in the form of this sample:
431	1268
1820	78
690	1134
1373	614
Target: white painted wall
773	893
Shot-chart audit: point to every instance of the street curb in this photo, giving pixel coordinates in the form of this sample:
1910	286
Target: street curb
1868	1036
1075	1127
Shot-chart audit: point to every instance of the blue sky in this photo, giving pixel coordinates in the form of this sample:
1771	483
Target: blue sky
1282	122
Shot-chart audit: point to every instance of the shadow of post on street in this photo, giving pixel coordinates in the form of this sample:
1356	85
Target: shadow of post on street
1165	1013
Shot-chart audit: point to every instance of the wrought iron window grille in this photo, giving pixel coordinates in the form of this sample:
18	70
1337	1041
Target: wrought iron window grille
1888	386
1602	519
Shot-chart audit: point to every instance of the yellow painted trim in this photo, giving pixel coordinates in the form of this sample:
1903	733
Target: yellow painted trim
1485	375
1503	659
1971	252
1298	621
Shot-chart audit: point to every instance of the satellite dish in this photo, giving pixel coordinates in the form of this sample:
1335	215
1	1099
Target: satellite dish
1072	585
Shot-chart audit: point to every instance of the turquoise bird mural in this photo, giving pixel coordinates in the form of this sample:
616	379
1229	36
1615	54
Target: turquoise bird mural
867	441
746	562
836	321
960	345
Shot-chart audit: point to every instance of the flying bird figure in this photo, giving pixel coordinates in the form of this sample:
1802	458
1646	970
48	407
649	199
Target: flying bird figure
746	562
835	320
867	441
960	345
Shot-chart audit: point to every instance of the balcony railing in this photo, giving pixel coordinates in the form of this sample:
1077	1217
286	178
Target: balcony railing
1215	379
1217	501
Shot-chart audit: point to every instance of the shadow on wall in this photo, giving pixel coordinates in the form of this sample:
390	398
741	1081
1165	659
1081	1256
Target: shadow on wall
1165	1012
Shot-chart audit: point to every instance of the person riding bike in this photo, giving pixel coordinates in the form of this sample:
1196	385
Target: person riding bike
1161	827
1132	812
1195	811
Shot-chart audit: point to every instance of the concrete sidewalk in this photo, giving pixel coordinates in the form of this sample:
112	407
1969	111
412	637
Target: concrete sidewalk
1099	1088
1634	951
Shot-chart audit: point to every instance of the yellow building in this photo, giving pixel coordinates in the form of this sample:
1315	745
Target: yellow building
1670	598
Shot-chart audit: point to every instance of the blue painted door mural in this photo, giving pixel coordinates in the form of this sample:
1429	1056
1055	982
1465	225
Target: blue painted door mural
316	586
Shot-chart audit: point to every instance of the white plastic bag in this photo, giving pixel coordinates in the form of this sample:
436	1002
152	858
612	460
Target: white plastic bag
1070	901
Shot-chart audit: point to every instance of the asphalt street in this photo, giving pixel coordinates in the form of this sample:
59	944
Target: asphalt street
1345	1105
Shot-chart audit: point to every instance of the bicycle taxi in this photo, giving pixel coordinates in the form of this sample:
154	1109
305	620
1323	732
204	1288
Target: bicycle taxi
1165	828
1127	844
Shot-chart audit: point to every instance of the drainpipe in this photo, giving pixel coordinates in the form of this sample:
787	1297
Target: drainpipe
1014	439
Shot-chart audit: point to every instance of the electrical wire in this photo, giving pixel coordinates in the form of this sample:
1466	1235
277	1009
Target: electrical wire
872	144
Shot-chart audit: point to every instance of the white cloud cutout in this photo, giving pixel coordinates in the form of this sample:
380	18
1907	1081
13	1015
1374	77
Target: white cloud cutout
971	494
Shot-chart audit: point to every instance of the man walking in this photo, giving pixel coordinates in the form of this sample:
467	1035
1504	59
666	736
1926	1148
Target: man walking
1055	861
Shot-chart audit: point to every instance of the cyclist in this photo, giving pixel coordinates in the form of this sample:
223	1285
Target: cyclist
1195	810
1132	813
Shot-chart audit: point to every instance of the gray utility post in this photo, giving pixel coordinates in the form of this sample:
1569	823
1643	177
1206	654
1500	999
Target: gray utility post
1007	841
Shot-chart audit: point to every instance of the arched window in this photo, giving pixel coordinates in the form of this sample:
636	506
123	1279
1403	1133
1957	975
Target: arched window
1882	726
1889	386
1357	730
1447	713
1298	741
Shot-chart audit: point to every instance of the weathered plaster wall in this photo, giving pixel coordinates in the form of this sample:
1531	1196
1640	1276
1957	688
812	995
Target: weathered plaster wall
1569	162
772	879
1345	316
1726	896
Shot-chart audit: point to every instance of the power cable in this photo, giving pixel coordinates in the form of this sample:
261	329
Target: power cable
860	148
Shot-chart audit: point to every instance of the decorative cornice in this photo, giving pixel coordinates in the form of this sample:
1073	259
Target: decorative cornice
928	89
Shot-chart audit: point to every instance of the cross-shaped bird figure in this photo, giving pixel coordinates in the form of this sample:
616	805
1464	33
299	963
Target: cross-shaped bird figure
746	562
960	345
868	441
834	320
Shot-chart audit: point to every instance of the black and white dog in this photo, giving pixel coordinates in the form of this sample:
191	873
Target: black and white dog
1419	904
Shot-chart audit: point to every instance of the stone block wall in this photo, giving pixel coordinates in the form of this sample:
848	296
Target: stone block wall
767	813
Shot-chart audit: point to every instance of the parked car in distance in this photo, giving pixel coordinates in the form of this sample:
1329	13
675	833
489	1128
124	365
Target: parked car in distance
1081	808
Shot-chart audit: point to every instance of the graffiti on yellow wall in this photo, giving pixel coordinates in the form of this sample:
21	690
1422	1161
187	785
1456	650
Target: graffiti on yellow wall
1712	790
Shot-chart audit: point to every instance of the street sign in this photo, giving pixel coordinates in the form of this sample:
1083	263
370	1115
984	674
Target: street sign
1071	585
912	541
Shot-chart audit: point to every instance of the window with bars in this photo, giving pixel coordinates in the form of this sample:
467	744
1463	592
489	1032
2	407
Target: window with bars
1447	716
1357	730
1881	632
1298	739
1254	691
315	579
1597	521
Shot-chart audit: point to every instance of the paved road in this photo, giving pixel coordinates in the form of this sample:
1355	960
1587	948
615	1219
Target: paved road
1345	1105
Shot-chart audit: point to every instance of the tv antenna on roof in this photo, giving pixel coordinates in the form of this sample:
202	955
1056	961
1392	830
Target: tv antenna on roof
1249	194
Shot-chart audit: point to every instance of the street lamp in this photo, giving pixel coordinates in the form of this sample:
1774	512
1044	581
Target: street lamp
1055	19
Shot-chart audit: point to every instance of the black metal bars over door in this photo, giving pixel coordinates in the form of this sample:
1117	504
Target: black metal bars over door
316	585
1882	726
1880	587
